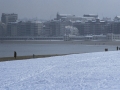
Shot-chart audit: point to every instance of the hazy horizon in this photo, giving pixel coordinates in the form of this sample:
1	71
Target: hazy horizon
47	9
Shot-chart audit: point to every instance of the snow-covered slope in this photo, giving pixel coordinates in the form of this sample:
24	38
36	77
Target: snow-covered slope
90	71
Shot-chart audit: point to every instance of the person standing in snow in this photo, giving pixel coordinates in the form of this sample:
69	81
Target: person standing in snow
15	54
117	48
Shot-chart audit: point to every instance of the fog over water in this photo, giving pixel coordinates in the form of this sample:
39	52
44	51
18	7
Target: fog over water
47	9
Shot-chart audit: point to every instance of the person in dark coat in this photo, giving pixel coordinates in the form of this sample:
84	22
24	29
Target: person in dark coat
117	48
15	54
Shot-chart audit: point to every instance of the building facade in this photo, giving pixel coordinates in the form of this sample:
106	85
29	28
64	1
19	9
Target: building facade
2	29
6	18
24	28
12	29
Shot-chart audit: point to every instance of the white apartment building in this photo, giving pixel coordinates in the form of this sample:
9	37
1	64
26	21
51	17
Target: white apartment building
113	37
36	28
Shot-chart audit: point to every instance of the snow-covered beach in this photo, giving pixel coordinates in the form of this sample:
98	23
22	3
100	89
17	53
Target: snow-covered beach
88	71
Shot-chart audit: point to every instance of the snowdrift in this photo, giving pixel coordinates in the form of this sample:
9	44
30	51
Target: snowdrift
89	71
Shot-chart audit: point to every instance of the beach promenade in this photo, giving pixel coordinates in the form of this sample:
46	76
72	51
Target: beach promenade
61	42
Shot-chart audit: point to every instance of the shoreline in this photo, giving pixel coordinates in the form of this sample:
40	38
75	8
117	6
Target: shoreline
3	59
60	42
115	43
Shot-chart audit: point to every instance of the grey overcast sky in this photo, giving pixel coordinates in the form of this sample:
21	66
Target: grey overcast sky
47	9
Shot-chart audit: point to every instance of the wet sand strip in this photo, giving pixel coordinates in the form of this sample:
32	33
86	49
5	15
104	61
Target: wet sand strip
2	59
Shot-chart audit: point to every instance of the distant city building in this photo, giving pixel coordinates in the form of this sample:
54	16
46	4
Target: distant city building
91	27
96	27
2	29
117	19
36	28
30	28
86	27
54	28
63	24
106	19
91	15
24	28
46	29
115	27
108	27
12	29
113	37
67	17
80	26
6	18
60	16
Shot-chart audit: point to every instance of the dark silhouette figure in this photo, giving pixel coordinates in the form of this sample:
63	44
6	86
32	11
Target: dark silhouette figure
33	56
106	49
15	54
117	48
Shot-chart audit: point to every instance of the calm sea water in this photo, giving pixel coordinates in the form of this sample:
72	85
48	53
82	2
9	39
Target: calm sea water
7	50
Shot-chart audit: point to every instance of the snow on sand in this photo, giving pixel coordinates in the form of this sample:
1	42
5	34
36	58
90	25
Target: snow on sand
89	71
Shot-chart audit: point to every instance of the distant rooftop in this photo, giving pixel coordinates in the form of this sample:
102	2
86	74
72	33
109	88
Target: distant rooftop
36	22
90	15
